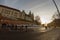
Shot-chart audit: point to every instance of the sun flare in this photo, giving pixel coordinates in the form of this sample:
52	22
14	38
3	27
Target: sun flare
44	20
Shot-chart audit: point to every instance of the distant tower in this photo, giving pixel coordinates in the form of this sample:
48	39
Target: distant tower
56	7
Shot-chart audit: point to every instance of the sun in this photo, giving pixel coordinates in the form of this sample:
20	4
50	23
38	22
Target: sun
44	20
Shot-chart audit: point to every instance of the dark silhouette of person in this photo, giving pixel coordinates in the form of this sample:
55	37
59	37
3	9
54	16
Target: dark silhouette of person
26	28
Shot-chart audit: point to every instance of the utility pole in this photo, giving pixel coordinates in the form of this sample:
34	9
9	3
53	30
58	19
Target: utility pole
57	11
56	7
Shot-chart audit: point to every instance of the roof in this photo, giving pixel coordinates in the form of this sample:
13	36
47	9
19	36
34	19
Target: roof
13	9
9	7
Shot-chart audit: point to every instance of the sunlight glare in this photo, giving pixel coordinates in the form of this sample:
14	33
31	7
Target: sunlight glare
44	20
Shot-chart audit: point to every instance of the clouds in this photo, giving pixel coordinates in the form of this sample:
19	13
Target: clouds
38	7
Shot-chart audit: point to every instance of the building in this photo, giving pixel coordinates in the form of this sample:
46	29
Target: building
13	17
55	23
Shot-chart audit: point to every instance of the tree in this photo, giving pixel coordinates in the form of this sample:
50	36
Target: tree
56	20
30	13
23	11
55	16
37	20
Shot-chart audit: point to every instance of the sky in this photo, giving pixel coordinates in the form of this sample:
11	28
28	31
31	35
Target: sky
43	8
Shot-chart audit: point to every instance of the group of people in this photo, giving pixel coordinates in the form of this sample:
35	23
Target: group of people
13	27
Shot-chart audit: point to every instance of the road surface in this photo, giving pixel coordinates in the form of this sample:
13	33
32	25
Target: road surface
49	35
